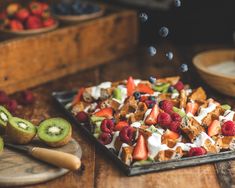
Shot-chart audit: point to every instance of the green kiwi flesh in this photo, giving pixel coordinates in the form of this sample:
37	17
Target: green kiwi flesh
5	115
20	131
1	144
55	132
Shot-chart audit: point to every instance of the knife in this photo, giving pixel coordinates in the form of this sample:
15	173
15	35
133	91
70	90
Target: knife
56	158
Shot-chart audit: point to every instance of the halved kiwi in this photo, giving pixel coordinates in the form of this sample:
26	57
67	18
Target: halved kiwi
55	132
1	144
20	131
5	115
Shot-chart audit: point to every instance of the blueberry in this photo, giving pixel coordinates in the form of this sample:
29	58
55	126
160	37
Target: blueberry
151	98
169	56
152	51
151	105
143	17
137	95
152	80
171	89
177	3
163	32
184	68
63	9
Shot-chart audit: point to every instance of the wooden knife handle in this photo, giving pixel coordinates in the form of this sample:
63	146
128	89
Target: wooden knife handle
57	158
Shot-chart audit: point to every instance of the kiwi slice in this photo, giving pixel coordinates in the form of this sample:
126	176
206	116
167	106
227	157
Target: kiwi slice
55	132
20	131
5	115
1	144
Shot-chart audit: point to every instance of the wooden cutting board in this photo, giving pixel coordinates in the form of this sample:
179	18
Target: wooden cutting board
17	169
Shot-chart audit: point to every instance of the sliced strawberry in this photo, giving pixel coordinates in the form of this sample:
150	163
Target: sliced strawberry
192	107
140	151
143	98
130	85
105	112
78	97
152	117
120	125
170	135
144	88
214	128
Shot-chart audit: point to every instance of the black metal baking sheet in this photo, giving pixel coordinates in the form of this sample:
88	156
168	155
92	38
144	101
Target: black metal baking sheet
64	97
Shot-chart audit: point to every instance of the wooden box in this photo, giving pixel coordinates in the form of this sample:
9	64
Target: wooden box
32	60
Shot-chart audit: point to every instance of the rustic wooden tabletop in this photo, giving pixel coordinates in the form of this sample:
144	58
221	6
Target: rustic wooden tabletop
99	171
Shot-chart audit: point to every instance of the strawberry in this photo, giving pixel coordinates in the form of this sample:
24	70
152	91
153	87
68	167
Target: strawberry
120	125
107	126
164	119
192	107
144	88
16	25
152	117
36	8
166	106
143	98
196	151
228	128
170	135
130	85
179	86
105	112
33	22
27	97
214	128
174	126
82	117
78	97
22	14
12	9
48	22
140	150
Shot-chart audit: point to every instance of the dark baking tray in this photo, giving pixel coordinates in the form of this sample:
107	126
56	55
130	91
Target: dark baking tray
64	97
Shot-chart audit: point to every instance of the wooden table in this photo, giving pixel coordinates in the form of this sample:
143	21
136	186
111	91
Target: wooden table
99	171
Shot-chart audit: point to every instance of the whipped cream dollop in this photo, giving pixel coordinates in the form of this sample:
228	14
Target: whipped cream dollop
201	139
111	145
96	90
228	116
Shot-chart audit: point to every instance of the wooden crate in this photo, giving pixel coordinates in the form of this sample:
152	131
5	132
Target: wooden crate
32	60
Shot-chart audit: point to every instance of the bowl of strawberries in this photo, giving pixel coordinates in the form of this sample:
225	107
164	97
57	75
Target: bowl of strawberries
32	18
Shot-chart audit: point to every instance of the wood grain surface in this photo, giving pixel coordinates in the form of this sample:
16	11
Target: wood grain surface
99	171
18	169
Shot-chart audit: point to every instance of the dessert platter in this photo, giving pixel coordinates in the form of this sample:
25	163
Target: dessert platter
152	125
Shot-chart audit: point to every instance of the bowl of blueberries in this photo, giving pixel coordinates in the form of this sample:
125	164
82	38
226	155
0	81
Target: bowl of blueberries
76	10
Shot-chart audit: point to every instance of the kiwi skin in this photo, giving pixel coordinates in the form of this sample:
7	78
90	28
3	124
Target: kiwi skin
18	137
1	144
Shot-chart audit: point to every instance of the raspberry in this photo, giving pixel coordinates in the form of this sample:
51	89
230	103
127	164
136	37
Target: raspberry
179	86
150	103
105	138
166	106
3	97
196	151
27	97
12	105
82	117
126	134
228	128
174	126
107	126
164	119
176	117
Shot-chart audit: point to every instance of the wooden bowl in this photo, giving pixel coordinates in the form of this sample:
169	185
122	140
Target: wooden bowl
31	31
211	65
78	18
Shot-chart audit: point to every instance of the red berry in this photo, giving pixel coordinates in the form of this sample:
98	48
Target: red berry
33	22
12	105
16	25
164	119
228	128
105	138
107	126
174	126
176	117
27	97
36	8
127	134
22	14
196	151
179	86
48	22
82	117
166	106
3	97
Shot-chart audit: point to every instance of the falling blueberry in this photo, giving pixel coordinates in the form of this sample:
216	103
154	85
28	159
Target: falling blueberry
184	68
177	3
152	79
169	56
143	17
152	51
163	32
